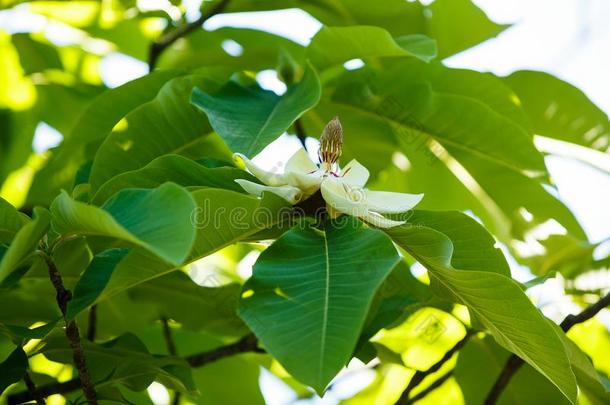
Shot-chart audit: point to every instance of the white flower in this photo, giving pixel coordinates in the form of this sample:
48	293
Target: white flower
343	190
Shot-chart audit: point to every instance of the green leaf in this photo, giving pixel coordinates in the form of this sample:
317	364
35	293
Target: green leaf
25	243
94	280
158	220
558	110
310	292
95	123
168	124
175	168
248	119
36	56
177	297
458	25
13	368
334	45
222	217
10	221
518	327
473	246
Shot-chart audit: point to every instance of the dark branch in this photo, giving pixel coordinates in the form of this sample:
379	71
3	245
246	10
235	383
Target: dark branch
300	132
63	296
92	324
248	343
514	362
419	376
32	388
159	45
441	380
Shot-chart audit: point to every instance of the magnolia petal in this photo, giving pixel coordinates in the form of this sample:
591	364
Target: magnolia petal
291	194
341	198
269	178
355	174
380	221
386	202
308	182
300	163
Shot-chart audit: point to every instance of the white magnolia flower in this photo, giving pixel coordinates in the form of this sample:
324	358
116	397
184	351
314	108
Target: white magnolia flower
342	189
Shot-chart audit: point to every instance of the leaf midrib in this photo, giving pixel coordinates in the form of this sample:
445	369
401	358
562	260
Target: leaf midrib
325	314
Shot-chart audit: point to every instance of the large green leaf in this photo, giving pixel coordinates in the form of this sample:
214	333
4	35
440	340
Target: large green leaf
494	300
222	217
334	45
24	243
248	119
310	292
95	123
10	221
157	220
174	168
167	124
558	110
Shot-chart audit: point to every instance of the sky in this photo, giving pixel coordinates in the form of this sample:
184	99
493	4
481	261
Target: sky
568	38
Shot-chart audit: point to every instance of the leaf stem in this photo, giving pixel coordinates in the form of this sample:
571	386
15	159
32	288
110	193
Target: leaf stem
514	362
171	349
300	132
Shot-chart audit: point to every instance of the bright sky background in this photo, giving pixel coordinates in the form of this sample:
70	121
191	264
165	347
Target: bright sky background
569	38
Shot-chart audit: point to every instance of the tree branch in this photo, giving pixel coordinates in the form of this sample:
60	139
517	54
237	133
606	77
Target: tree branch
32	388
419	376
514	362
63	296
248	343
159	45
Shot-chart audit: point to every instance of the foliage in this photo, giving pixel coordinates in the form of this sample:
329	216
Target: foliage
139	213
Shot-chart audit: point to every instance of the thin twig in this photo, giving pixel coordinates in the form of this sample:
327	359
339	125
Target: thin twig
63	296
32	388
158	46
171	349
92	324
441	380
419	376
300	132
247	344
514	362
